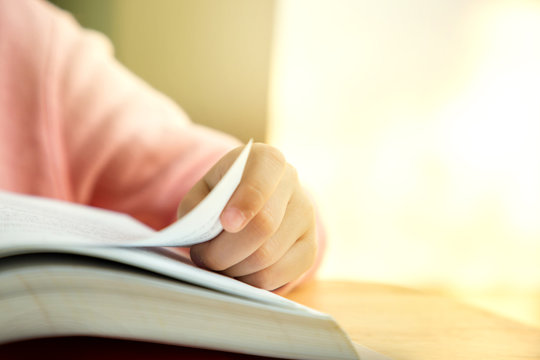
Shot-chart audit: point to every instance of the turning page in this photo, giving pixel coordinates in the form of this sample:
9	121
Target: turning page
33	221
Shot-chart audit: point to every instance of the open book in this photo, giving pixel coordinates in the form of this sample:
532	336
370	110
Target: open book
67	269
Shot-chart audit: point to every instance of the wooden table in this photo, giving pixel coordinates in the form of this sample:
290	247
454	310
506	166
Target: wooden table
406	324
401	323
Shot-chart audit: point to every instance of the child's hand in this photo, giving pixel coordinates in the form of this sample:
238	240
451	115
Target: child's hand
269	238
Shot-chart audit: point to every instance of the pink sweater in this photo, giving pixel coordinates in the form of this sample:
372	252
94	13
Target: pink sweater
76	125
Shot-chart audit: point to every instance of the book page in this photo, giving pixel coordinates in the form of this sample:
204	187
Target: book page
32	221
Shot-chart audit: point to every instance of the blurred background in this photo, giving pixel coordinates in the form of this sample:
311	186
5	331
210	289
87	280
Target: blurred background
415	124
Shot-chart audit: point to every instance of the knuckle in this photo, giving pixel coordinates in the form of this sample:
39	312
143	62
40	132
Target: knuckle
273	153
255	195
265	223
310	252
263	257
309	210
308	205
293	173
264	280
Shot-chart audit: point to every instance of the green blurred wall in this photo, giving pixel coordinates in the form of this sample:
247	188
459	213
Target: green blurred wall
211	56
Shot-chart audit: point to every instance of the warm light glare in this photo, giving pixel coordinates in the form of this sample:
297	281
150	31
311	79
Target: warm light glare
417	127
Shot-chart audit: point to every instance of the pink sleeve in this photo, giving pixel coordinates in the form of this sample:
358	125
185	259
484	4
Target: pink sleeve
120	144
126	147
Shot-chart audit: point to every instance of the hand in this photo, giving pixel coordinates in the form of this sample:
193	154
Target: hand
269	236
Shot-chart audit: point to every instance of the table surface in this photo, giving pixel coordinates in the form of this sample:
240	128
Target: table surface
408	324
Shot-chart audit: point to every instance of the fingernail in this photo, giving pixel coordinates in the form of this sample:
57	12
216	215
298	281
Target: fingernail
232	219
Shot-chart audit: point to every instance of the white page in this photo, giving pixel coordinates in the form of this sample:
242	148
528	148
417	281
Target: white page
30	220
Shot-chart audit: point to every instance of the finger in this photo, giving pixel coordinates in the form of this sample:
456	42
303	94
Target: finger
262	174
298	219
228	249
193	197
291	266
